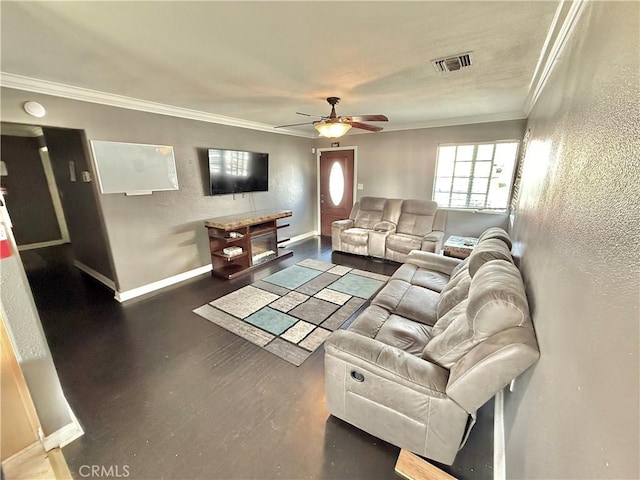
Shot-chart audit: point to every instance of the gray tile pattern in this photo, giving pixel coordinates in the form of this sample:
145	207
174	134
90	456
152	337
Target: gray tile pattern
289	301
314	310
315	339
375	276
240	328
316	264
314	286
270	287
336	320
245	301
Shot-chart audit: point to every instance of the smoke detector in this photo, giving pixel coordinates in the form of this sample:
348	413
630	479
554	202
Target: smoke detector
453	63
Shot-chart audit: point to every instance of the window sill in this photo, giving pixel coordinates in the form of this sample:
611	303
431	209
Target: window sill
475	210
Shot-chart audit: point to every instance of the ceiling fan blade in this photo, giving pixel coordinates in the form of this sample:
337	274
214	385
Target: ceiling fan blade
310	115
364	126
367	118
295	124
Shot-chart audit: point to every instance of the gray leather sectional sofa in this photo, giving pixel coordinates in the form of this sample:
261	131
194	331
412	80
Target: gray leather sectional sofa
438	341
390	228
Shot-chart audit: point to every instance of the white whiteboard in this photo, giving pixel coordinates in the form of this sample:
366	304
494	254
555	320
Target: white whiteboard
134	168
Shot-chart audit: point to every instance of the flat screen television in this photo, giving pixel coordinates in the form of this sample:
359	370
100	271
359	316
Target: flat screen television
234	171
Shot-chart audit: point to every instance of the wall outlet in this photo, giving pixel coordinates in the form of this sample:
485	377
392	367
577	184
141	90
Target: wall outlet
313	150
86	176
360	186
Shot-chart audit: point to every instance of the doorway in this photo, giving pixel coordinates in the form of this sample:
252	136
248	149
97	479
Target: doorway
336	175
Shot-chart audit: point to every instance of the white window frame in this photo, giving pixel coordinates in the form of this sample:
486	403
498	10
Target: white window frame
473	163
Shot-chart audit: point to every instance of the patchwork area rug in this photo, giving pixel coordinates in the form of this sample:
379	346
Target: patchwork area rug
291	312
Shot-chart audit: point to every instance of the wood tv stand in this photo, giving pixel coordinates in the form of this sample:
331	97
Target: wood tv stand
256	233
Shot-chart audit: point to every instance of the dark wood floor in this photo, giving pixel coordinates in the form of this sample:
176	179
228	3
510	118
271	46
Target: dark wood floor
171	395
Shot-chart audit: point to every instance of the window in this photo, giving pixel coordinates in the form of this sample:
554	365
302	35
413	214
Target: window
476	176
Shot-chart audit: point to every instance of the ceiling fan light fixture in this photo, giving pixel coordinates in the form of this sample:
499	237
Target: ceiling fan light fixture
332	129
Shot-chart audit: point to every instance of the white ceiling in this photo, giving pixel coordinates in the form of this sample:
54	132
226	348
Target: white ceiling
263	61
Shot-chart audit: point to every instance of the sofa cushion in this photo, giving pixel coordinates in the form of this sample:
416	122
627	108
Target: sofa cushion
422	277
402	242
496	233
455	292
355	236
404	334
497	299
410	301
417	217
370	321
451	339
486	251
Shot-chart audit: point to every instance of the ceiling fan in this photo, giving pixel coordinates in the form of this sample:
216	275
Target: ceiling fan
335	126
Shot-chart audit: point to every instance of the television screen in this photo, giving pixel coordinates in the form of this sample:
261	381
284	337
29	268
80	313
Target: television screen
232	171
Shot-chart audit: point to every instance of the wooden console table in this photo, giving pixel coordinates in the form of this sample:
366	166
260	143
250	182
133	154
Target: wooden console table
256	233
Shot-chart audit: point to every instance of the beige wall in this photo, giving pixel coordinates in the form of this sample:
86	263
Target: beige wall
401	164
575	414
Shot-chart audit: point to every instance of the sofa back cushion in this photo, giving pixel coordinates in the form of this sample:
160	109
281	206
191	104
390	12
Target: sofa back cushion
456	290
486	251
496	302
416	217
496	233
369	212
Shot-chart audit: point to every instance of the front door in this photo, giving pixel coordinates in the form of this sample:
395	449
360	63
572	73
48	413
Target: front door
336	187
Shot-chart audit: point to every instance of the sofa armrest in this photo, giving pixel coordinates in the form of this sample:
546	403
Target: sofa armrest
491	365
388	362
342	224
385	226
433	241
432	261
337	228
434	236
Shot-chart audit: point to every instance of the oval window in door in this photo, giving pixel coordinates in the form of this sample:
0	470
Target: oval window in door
336	183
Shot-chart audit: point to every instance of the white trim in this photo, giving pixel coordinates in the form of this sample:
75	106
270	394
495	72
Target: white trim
55	194
355	178
166	282
30	84
499	454
298	238
553	50
65	435
20	82
50	243
95	274
451	122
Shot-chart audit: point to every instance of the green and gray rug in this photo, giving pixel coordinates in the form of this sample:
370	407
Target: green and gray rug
291	312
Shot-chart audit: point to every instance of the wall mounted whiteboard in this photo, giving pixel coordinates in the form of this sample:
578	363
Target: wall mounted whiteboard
134	168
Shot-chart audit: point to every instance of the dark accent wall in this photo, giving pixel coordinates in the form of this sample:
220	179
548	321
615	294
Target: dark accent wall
27	194
88	236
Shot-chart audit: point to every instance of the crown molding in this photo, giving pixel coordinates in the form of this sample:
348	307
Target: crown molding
20	82
563	24
451	122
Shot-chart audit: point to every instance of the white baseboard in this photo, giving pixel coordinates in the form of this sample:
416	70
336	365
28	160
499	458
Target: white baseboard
499	454
97	275
123	296
33	246
299	238
65	435
166	282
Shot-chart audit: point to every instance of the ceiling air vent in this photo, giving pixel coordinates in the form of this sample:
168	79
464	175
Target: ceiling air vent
451	64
